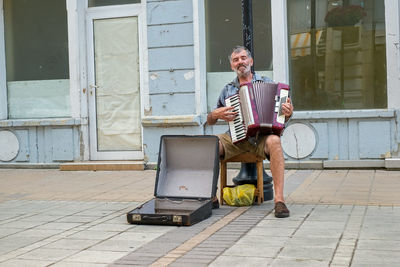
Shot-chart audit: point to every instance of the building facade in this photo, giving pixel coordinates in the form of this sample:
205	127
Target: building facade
104	79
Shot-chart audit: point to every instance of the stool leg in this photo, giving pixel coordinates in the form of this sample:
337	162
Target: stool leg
222	181
260	182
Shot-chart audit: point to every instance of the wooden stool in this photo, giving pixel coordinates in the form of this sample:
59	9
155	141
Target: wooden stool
246	158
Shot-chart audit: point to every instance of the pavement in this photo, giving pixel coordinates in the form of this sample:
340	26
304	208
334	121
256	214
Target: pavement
61	218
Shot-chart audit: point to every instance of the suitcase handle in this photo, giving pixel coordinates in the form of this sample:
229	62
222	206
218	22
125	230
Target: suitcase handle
155	218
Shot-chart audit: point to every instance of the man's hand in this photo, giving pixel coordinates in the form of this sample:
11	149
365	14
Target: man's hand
287	108
222	113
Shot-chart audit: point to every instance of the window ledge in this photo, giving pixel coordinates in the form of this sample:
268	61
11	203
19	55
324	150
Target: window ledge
42	122
175	120
344	114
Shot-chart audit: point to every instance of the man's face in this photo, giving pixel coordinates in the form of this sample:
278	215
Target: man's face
241	63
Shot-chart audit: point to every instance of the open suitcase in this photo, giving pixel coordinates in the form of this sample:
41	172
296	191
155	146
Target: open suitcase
186	182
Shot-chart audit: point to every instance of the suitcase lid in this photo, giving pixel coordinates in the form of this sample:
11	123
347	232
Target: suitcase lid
188	167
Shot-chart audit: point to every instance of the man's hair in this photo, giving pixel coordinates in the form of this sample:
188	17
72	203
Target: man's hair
238	49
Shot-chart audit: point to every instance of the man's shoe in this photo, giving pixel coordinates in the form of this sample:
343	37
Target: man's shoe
215	203
281	211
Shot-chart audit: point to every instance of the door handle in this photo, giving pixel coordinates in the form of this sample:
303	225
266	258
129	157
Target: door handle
91	86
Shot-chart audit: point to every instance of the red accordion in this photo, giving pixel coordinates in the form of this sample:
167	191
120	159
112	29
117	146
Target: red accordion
259	109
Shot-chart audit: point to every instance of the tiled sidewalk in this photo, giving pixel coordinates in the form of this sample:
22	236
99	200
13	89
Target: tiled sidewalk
52	218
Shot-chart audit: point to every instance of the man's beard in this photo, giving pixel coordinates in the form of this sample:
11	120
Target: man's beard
243	73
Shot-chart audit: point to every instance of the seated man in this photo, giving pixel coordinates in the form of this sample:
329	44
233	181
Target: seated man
265	146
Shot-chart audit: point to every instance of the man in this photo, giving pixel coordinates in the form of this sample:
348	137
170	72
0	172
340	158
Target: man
265	146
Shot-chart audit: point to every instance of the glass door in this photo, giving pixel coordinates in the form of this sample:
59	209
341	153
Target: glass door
114	77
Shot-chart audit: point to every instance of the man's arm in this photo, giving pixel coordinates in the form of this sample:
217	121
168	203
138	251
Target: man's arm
210	119
223	113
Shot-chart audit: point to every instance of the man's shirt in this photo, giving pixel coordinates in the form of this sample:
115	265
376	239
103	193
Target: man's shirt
232	88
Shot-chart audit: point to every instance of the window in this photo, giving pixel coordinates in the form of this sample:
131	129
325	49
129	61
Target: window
93	3
36	48
337	54
224	31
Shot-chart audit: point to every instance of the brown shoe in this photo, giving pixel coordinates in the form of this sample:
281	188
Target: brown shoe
281	211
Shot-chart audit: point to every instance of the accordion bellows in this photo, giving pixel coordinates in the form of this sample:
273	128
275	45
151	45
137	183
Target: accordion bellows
259	110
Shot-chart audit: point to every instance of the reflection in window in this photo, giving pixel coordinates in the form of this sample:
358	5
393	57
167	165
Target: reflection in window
37	67
224	31
337	51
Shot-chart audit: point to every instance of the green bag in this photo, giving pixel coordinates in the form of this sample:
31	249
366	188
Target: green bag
241	195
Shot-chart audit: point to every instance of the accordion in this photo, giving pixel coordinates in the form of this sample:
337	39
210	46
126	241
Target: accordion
258	106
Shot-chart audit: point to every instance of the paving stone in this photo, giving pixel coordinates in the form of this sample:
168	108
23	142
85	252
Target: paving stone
58	226
390	245
269	241
240	261
78	264
266	231
75	244
376	256
190	261
329	233
75	219
306	253
22	224
47	254
299	263
252	251
177	264
26	263
311	241
96	256
95	235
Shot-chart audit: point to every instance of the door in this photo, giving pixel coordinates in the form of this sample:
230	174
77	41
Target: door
114	82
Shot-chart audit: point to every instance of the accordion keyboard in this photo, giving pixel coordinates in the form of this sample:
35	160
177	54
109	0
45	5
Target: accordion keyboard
236	126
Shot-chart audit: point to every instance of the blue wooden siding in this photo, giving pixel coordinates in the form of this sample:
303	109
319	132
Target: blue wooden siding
167	12
24	145
165	82
322	139
171	58
374	138
170	34
172	104
45	141
61	147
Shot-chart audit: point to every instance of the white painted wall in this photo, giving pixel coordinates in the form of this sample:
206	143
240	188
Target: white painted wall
392	11
3	78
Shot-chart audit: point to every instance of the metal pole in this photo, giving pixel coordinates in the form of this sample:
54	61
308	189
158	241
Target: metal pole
248	171
247	25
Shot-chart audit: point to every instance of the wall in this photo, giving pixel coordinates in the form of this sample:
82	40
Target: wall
46	141
172	78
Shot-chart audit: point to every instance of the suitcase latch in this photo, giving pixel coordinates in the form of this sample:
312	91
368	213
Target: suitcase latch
177	219
136	217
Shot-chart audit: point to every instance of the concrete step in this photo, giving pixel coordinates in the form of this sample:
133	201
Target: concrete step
103	166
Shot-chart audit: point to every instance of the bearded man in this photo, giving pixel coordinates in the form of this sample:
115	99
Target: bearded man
266	146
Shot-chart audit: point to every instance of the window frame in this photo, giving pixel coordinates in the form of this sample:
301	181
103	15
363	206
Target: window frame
73	32
3	78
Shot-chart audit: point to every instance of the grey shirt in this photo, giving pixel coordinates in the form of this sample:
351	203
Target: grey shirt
232	88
